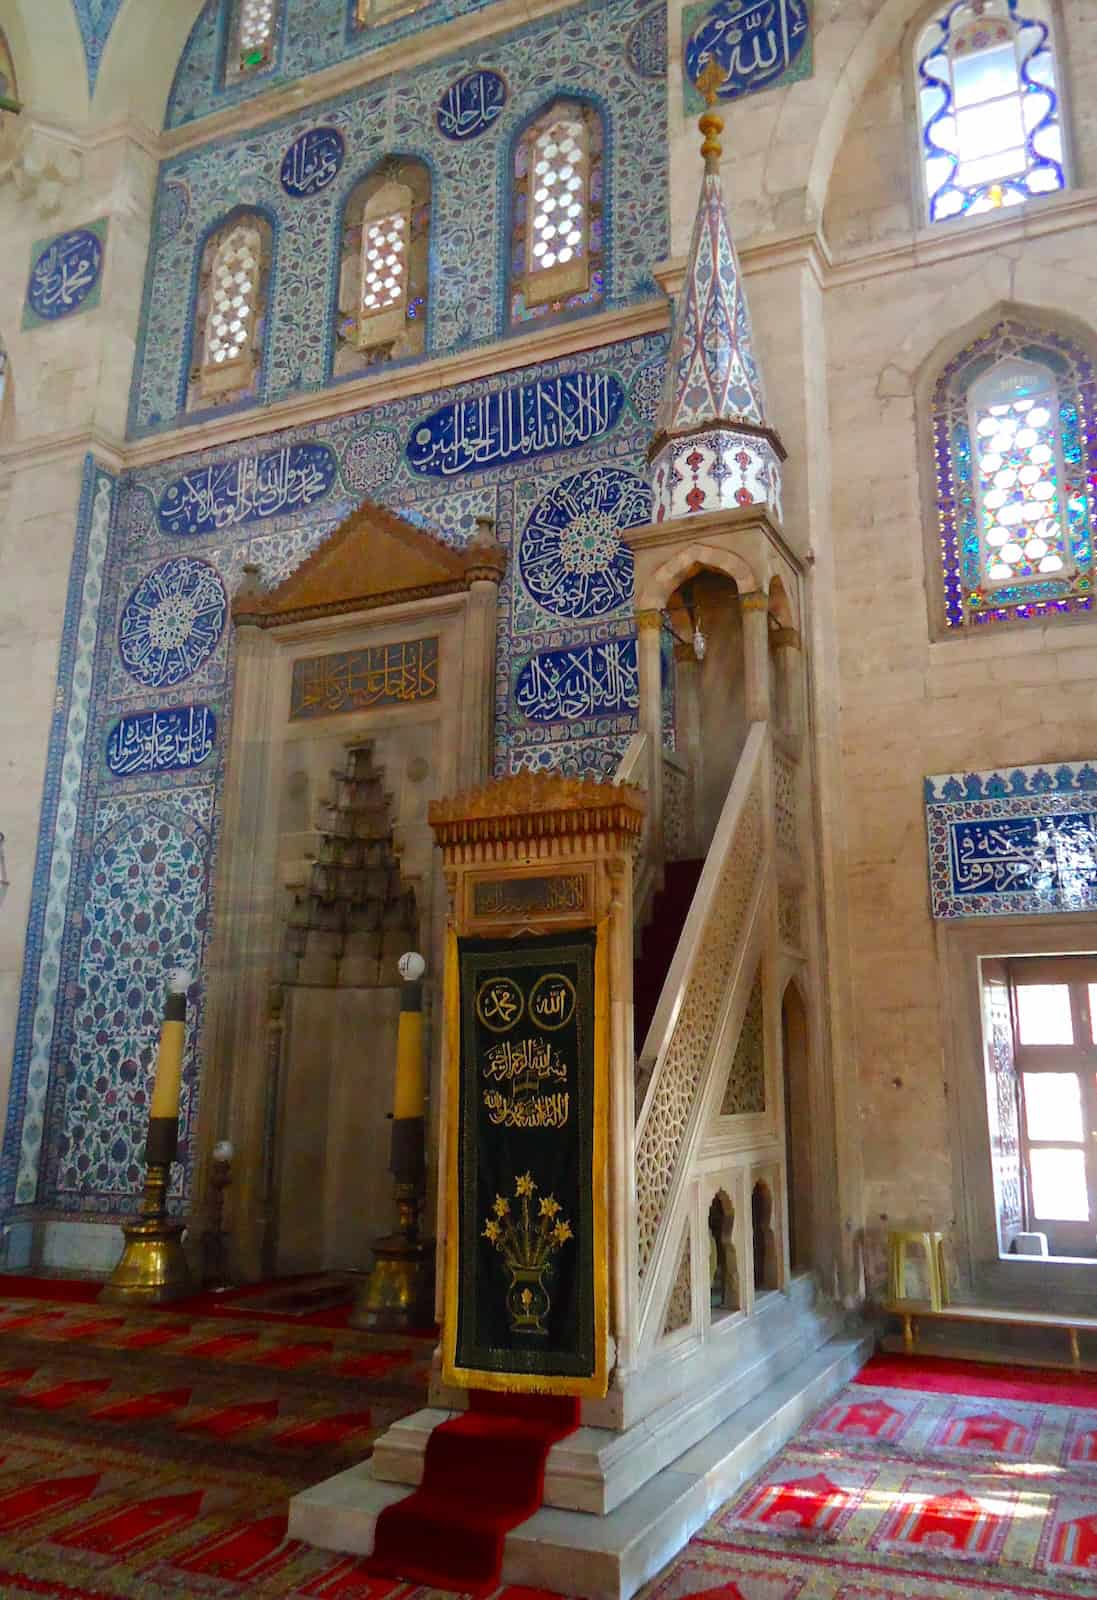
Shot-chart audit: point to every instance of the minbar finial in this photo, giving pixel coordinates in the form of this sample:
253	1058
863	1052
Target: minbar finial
708	81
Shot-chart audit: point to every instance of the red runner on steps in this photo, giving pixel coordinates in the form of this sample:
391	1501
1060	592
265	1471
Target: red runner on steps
484	1473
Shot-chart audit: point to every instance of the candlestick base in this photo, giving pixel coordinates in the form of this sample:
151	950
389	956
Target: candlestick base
153	1269
398	1296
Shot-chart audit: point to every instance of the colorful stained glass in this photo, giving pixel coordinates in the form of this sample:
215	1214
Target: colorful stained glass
989	106
1015	446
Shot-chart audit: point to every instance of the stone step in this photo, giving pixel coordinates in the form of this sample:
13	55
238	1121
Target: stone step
609	1557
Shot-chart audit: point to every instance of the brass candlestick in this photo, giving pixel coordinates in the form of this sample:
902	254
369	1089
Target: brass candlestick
153	1269
399	1293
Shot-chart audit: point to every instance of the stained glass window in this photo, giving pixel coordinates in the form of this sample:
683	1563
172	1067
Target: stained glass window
1015	466
989	103
556	234
230	311
253	36
384	273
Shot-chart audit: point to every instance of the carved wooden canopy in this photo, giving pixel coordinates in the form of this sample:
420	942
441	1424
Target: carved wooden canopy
535	807
373	559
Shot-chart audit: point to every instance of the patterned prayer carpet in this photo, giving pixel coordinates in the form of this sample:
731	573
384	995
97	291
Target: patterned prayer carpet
981	1484
148	1454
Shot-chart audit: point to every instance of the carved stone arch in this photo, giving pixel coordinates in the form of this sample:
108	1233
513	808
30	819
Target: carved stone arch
781	609
48	56
140	61
686	563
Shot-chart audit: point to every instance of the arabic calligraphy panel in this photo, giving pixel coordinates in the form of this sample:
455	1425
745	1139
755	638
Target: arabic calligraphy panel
591	680
358	680
65	275
171	740
516	423
227	494
571	557
757	44
471	105
312	161
1003	843
172	622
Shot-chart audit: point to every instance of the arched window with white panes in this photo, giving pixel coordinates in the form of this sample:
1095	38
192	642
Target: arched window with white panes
556	244
230	311
1014	438
252	37
990	109
384	272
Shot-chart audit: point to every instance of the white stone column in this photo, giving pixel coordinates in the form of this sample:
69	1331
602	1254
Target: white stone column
649	628
755	611
477	753
785	644
688	742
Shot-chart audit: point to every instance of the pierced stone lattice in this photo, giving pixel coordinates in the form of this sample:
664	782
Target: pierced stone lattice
788	918
256	32
680	1305
745	1090
234	291
674	1086
784	802
675	809
384	283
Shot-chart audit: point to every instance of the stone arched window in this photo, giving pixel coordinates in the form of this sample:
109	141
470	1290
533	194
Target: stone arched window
989	106
252	37
1014	435
230	311
556	239
384	273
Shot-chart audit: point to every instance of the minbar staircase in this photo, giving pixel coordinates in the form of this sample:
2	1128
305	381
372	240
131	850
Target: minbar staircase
660	940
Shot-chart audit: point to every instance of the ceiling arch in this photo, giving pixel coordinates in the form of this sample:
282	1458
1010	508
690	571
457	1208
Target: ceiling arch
48	52
140	58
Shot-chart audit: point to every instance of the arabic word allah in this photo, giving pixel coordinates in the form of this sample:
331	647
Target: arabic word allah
64	274
172	622
312	162
571	557
471	104
753	42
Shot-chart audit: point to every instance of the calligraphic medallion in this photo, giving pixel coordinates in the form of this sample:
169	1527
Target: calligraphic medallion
312	162
500	1004
65	274
229	494
571	557
172	622
552	1001
756	44
471	104
357	680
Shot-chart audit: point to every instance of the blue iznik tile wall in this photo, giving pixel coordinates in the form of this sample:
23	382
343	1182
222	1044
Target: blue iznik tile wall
320	33
96	18
583	51
554	453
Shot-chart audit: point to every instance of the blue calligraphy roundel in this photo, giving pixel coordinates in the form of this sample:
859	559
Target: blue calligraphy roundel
172	622
312	162
65	273
753	42
571	558
471	104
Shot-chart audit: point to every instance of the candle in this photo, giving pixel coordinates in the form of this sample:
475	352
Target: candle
169	1058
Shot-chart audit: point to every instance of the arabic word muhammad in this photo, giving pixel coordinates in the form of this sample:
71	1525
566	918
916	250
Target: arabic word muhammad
250	489
312	162
526	1083
1053	857
171	740
510	897
64	274
530	419
172	622
471	104
571	556
355	680
753	42
525	1161
590	680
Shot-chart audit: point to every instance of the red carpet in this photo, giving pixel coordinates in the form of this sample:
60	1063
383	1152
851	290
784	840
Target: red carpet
484	1473
945	1375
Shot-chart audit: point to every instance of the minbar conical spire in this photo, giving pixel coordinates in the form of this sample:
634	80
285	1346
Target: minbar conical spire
713	447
